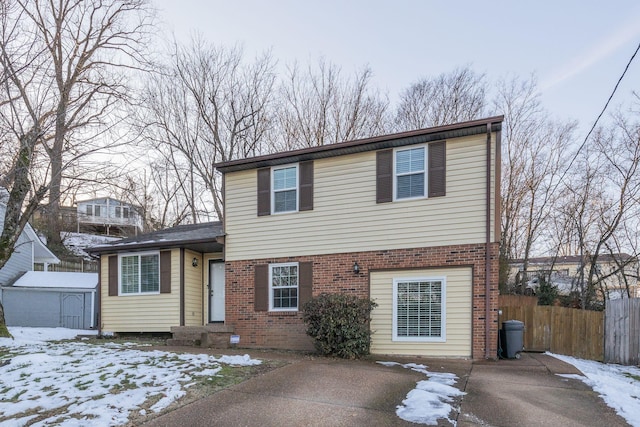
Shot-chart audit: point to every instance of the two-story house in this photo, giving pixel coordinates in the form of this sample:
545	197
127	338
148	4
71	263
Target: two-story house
410	220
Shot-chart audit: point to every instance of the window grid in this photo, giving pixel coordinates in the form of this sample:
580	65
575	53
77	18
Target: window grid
140	274
285	189
410	172
284	286
419	309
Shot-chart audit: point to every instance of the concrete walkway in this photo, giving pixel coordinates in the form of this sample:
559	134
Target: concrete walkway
327	392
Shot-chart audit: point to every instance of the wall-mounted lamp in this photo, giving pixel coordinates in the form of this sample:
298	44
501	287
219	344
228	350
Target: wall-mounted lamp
194	262
356	267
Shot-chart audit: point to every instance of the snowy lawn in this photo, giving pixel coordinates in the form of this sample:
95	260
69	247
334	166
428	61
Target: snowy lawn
618	386
45	381
431	399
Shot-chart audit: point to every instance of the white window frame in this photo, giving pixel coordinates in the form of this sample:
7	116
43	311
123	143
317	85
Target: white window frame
283	264
443	313
138	254
425	171
274	191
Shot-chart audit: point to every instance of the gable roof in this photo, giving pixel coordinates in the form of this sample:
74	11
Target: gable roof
203	237
439	133
41	254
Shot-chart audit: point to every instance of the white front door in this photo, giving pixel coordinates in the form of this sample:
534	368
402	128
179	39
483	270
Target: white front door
216	291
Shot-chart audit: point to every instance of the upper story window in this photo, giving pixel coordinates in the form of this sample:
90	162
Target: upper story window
285	189
414	172
122	212
140	273
410	173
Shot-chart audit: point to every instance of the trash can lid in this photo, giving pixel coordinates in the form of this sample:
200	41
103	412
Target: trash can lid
512	324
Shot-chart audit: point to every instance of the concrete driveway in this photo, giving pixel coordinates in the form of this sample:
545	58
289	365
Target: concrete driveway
327	392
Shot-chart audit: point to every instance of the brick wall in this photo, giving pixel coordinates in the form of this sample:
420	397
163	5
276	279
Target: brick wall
334	273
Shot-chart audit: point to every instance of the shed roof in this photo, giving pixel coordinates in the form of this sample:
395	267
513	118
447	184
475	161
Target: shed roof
203	237
55	279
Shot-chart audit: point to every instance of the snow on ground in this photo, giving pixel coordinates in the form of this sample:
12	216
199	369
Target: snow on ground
618	386
78	242
431	399
92	384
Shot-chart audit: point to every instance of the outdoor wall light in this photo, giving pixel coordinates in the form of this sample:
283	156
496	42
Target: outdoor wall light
356	267
194	262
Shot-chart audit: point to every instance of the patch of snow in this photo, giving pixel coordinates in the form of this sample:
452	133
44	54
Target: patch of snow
55	279
617	385
431	399
76	243
245	360
91	384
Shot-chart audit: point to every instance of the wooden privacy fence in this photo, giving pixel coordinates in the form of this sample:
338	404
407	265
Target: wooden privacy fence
560	330
622	340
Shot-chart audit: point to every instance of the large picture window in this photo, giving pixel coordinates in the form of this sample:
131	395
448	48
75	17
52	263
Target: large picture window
419	309
285	189
410	173
283	287
140	273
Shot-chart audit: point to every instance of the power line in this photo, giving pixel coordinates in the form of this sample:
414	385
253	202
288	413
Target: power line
586	138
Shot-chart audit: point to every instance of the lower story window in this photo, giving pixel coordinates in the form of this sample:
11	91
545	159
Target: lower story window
140	273
419	309
283	287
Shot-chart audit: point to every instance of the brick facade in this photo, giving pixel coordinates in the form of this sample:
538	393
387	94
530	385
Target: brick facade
334	273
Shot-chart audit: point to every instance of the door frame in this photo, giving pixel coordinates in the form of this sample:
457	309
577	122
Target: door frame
210	284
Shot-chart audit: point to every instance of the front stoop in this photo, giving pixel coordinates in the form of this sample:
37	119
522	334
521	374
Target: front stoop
214	335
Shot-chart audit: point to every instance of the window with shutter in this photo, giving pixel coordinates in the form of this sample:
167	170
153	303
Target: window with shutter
419	309
284	193
139	273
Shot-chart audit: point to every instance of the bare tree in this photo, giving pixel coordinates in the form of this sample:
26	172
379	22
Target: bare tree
318	106
602	207
62	66
208	105
448	98
535	154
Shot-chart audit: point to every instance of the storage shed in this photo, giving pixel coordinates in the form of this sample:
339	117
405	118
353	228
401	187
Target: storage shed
52	299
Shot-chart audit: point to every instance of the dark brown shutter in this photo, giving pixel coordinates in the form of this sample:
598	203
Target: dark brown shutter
384	176
261	290
437	169
305	284
305	173
165	272
264	192
113	276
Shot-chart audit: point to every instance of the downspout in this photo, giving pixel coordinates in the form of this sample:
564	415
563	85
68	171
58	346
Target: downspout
487	252
93	313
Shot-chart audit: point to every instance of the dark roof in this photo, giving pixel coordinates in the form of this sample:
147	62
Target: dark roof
574	259
202	237
474	127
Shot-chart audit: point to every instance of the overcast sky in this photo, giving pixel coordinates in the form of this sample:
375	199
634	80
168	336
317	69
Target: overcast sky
577	49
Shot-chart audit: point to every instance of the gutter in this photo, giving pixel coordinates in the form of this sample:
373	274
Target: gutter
487	252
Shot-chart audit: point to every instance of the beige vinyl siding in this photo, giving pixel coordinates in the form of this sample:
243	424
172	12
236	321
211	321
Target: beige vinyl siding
346	217
193	289
458	305
140	313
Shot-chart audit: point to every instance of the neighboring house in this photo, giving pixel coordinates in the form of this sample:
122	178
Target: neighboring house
618	271
410	220
159	280
29	249
109	216
52	299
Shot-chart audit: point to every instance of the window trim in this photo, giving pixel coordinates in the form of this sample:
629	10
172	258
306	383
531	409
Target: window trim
443	312
425	171
272	190
138	254
270	284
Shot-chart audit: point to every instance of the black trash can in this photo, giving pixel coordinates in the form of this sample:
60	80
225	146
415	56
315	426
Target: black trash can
512	338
